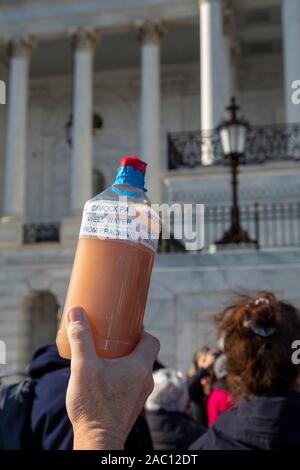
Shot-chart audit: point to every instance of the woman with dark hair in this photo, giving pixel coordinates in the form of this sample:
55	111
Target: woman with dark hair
258	336
199	381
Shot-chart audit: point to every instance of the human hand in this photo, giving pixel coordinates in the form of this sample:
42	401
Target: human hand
206	360
105	397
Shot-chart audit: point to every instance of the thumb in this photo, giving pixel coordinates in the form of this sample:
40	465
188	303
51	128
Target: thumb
80	335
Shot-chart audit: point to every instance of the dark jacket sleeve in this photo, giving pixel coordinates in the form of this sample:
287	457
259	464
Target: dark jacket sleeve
139	437
194	385
50	426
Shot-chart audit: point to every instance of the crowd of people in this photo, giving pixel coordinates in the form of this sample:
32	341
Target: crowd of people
244	394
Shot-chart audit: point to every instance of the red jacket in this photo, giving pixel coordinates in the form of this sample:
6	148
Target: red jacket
218	402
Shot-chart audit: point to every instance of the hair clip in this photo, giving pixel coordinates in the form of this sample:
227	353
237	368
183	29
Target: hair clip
261	300
265	332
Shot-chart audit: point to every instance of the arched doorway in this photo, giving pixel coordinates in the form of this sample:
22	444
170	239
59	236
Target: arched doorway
40	308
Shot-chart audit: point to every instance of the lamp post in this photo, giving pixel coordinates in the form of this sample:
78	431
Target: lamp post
233	134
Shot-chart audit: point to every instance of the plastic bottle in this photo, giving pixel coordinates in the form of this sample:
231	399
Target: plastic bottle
113	263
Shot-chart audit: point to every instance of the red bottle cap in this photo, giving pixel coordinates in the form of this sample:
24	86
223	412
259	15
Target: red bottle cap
134	162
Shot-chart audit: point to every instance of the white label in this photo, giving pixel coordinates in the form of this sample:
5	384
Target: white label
120	220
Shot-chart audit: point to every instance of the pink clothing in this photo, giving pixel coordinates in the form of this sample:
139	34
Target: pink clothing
218	402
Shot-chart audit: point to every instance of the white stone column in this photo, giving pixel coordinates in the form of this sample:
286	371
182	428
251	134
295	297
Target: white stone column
212	68
4	74
150	35
227	72
230	52
15	161
291	41
227	75
81	165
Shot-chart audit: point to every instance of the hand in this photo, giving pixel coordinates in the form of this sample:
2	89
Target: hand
206	360
105	397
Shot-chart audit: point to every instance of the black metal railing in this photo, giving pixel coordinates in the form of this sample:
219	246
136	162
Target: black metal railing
264	143
41	233
268	225
274	225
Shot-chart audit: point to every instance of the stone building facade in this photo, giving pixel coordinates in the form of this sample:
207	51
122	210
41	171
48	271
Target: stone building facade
149	69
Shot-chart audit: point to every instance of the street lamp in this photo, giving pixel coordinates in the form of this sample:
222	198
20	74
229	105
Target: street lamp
233	134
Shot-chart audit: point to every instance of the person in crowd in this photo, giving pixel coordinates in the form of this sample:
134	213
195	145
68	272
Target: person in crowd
171	427
201	357
258	336
199	384
220	399
50	427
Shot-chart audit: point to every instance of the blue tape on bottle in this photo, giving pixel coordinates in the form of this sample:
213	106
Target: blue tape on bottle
128	176
123	192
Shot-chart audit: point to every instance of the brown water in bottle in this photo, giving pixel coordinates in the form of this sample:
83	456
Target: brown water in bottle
113	263
110	280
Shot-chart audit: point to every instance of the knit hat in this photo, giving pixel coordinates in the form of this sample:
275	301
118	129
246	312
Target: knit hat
219	367
170	391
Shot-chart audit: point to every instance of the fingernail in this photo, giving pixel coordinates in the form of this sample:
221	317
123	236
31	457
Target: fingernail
75	314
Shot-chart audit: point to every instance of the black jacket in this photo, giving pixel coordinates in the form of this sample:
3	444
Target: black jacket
172	430
50	428
198	401
266	423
